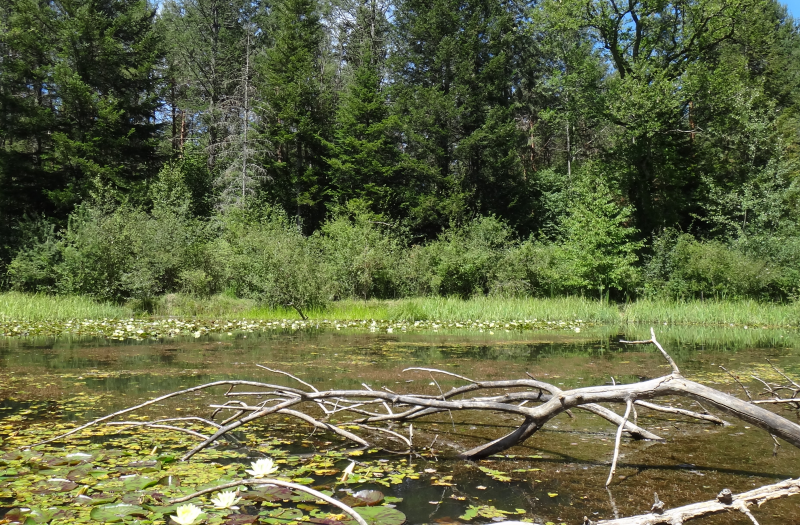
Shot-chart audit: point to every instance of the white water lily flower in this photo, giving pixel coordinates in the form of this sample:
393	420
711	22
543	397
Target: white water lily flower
262	467
187	514
226	500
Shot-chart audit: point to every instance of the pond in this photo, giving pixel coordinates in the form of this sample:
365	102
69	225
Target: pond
557	476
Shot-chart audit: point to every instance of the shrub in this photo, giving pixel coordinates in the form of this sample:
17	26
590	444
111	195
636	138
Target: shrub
361	254
684	267
31	270
462	262
126	253
267	259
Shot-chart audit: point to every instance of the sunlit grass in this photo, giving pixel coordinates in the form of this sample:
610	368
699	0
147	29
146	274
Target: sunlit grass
15	305
40	307
740	313
503	309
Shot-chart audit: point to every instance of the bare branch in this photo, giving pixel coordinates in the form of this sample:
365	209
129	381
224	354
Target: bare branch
725	502
629	406
319	495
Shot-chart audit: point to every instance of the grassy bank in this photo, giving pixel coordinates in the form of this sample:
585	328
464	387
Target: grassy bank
17	306
39	307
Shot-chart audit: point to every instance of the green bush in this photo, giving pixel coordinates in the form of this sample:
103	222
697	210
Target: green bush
361	254
684	267
594	252
462	262
531	268
126	253
32	268
268	259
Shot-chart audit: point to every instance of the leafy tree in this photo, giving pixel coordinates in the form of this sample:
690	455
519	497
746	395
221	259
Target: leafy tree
654	96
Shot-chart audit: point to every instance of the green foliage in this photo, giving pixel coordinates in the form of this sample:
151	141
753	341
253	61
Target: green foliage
462	262
598	244
265	257
365	160
296	108
361	253
683	267
113	254
453	69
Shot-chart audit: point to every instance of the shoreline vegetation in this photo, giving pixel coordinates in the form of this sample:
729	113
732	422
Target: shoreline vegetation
577	311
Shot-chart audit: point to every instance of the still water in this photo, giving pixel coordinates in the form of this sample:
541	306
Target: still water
572	455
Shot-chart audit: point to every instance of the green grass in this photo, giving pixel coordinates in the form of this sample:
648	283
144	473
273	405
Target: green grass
705	313
39	307
740	313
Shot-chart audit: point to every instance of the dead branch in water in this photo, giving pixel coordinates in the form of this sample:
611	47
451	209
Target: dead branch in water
725	502
533	401
274	482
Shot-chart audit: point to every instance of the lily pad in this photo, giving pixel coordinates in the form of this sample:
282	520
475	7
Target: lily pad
240	519
169	481
268	493
55	485
379	516
363	498
146	466
138	483
282	515
116	512
98	498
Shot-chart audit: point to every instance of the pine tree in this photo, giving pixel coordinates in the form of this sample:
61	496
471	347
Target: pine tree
453	90
296	111
365	158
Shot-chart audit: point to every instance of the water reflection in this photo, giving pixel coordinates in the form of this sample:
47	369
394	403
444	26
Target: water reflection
697	460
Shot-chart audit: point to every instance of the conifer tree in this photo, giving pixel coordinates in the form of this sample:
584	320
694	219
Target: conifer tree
296	111
365	160
81	92
453	84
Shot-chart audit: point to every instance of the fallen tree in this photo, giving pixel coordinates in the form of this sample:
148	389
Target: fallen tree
725	502
533	401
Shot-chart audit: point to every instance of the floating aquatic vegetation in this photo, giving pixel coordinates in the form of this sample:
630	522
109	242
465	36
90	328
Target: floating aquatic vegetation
143	328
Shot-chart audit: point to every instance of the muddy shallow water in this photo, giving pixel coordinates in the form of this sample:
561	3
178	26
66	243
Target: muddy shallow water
557	476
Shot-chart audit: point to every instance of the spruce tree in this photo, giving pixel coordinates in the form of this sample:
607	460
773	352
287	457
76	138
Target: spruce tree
296	110
365	160
454	73
79	95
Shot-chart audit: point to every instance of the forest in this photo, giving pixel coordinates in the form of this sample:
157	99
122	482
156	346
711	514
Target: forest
296	152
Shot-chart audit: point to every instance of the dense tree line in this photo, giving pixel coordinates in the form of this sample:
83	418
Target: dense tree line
619	148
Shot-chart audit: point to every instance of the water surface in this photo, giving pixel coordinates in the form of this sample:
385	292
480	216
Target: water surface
697	460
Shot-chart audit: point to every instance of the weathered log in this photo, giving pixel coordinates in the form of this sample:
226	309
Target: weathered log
725	502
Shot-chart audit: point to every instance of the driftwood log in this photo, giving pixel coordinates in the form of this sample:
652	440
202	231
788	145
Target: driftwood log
725	502
533	401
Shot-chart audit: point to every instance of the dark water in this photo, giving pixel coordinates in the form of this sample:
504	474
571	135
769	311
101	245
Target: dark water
697	460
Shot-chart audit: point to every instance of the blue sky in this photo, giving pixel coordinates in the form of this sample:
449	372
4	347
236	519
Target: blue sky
794	7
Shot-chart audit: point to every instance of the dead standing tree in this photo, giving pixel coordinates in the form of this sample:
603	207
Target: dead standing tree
370	406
